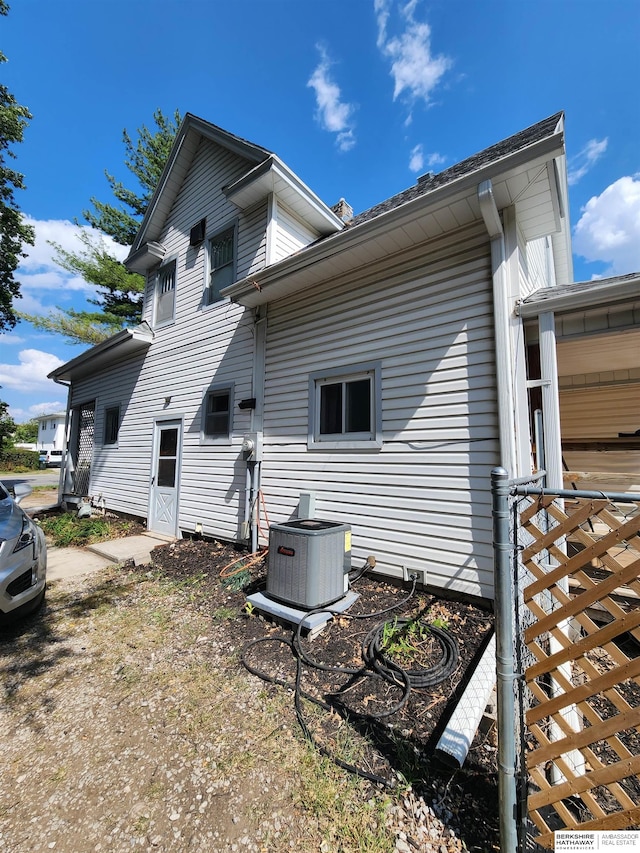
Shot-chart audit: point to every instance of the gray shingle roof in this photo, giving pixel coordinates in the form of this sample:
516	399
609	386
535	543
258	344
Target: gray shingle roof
514	143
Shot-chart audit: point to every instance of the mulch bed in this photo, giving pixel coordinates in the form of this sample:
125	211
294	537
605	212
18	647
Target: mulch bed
357	730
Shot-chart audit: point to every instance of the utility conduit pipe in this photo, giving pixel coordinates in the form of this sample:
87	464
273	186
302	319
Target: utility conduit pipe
455	742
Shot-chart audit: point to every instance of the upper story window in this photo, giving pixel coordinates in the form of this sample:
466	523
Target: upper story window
222	266
111	424
345	408
165	303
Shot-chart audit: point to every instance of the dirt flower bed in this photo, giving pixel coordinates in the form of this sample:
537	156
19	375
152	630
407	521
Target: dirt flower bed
130	721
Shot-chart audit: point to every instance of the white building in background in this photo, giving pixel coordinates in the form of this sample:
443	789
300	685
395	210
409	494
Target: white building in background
51	431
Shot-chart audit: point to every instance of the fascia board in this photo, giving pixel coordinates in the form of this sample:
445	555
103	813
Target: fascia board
580	299
194	127
246	293
273	176
148	255
102	354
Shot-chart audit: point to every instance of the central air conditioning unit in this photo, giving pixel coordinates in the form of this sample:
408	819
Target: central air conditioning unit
309	562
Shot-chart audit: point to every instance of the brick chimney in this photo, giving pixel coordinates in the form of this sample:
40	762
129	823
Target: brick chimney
343	210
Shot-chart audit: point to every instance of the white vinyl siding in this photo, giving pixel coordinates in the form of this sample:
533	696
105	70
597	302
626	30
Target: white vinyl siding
200	349
422	500
291	234
538	266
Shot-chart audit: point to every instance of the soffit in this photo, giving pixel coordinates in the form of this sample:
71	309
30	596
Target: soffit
273	177
424	218
122	345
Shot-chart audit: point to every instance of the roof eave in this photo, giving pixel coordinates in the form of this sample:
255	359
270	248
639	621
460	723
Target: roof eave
124	343
192	128
147	256
247	293
581	296
274	176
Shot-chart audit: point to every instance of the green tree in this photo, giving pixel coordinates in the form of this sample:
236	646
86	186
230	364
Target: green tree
119	300
26	433
7	426
14	233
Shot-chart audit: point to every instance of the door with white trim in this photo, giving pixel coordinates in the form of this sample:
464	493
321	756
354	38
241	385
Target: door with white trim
163	511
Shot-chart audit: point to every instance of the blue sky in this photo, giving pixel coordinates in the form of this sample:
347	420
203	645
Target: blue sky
358	97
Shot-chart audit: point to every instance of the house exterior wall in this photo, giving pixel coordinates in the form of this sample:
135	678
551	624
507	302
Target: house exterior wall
538	266
292	234
204	345
422	500
51	432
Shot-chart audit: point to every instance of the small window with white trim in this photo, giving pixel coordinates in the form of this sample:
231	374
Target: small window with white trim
217	411
345	408
165	294
222	266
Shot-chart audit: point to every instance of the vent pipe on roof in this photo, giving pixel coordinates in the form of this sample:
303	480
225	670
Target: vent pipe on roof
424	179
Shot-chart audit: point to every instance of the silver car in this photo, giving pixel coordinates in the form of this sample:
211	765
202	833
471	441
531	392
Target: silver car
23	557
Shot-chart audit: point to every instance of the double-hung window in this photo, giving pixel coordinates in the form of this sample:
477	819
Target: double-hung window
111	424
345	408
217	414
165	293
222	265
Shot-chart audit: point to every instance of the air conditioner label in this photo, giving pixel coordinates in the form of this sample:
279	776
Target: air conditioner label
347	540
286	552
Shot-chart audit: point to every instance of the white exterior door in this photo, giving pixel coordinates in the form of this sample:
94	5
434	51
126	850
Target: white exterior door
163	512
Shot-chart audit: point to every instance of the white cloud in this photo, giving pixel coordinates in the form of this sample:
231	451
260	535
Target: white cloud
416	158
334	114
609	228
584	160
22	415
31	373
415	69
44	284
436	159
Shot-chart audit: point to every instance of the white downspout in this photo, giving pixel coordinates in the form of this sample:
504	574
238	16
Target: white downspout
65	472
506	406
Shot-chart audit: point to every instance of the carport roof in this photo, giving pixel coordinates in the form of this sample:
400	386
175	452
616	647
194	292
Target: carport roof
582	295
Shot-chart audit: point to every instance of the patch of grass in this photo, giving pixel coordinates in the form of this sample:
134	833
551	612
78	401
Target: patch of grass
329	797
237	581
223	613
401	641
66	529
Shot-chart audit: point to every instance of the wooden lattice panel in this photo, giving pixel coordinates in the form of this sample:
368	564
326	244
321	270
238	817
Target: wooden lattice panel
583	729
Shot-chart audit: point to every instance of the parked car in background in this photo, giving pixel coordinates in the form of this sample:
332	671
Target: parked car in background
23	557
50	458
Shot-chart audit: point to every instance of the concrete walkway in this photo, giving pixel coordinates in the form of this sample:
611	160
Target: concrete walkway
69	562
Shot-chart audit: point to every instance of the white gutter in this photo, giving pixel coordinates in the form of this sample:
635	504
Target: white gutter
506	407
254	290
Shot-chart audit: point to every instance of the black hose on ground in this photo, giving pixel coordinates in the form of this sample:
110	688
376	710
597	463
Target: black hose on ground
376	664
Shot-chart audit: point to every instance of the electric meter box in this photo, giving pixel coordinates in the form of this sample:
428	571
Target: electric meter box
309	562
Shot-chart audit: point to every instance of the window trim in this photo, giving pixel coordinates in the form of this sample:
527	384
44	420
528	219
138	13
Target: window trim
108	409
207	300
171	262
346	441
217	388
